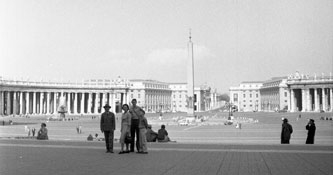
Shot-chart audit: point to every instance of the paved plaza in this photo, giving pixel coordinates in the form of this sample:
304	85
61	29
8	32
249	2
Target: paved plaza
74	157
210	148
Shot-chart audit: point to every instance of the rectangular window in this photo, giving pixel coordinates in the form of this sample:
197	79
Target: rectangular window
180	96
174	96
139	95
244	95
235	97
250	95
131	95
257	95
285	94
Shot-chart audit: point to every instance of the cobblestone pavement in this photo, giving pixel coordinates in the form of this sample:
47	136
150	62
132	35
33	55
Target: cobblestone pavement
20	157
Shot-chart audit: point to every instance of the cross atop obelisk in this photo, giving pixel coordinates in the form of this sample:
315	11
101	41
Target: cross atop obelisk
190	78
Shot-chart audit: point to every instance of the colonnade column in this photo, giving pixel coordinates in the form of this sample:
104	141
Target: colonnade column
39	103
113	104
27	105
96	103
68	102
89	102
21	101
14	103
82	103
292	101
34	102
55	97
104	99
303	101
75	96
308	100
316	99
1	102
331	98
323	99
47	103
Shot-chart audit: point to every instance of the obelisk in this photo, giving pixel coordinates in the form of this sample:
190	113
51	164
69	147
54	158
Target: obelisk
190	79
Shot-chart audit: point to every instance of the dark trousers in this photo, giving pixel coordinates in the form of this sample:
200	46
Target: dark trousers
109	136
135	130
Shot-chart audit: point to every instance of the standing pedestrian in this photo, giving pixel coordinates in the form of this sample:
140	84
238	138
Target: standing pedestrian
33	132
125	128
311	127
135	111
143	125
108	125
286	132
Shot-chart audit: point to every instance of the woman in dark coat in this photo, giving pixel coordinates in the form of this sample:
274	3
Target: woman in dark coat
311	127
286	132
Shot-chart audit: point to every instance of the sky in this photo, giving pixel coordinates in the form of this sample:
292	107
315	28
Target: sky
234	40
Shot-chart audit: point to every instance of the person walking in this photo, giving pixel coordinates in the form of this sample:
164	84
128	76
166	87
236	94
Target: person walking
311	127
286	132
135	111
108	125
125	130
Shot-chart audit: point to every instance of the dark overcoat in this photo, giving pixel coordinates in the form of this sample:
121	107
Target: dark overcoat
311	133
108	122
286	132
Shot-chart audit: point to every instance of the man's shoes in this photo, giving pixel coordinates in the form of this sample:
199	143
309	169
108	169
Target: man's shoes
127	151
132	151
141	152
122	152
107	151
111	151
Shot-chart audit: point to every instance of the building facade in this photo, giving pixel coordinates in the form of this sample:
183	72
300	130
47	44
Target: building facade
246	96
152	96
38	97
204	98
89	96
274	94
310	94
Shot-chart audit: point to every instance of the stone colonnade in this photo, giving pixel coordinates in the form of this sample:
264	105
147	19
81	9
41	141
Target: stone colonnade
48	102
311	99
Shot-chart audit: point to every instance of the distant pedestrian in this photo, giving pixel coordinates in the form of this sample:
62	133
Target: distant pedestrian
29	131
286	132
108	125
33	132
311	127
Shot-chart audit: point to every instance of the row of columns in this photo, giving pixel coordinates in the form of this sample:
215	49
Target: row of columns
319	99
25	102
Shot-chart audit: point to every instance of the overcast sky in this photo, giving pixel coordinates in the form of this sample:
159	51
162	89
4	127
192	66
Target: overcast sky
235	40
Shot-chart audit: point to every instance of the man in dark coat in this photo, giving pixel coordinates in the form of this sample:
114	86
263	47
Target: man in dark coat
108	125
286	132
311	127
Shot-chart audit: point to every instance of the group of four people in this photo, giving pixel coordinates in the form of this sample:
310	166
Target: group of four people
133	124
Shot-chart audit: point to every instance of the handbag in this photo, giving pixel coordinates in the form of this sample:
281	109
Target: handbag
128	138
